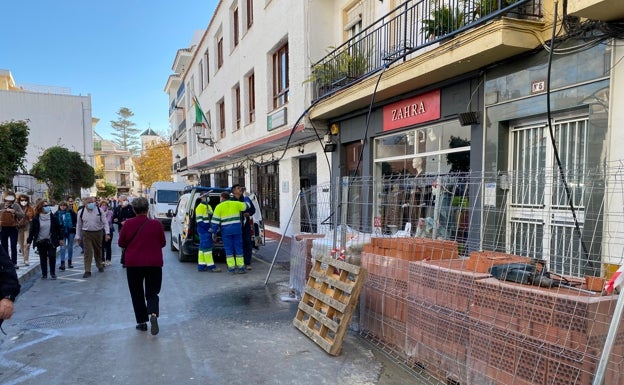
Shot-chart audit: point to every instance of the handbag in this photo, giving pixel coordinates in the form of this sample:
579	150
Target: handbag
123	250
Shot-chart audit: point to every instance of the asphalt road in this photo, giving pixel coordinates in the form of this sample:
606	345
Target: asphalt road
215	328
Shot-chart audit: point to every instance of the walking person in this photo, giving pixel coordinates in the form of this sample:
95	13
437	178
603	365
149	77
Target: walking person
23	227
10	214
239	194
91	224
143	240
203	216
67	219
107	244
226	219
46	233
9	286
123	212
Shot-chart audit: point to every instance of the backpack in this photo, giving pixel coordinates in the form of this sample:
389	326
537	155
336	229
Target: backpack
83	209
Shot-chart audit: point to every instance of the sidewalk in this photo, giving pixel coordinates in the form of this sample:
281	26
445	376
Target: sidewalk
24	273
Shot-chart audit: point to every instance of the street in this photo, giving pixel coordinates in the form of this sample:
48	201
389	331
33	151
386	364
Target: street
214	329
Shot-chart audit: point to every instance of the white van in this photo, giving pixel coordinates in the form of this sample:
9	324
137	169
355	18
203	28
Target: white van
164	196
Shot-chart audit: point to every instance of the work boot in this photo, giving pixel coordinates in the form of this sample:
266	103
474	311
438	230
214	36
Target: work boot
69	264
62	266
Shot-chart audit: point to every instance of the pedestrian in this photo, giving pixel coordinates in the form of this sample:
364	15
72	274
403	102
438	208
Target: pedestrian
123	212
10	215
23	227
143	240
67	218
239	194
46	233
9	286
226	219
203	216
91	224
107	245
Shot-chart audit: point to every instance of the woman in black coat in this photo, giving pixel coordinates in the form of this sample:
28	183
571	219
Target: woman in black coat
46	232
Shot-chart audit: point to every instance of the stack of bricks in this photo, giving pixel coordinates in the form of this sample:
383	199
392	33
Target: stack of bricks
482	261
383	310
413	249
535	335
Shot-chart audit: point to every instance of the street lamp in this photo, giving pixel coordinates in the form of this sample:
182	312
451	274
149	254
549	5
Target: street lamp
207	140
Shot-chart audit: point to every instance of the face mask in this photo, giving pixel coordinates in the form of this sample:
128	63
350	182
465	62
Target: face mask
46	209
124	203
23	203
104	208
90	206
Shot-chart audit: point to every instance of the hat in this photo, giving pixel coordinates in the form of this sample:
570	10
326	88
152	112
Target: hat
9	198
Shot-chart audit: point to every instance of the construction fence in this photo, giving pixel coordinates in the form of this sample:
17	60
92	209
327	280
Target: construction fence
430	299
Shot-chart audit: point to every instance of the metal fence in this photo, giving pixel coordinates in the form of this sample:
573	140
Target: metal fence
428	243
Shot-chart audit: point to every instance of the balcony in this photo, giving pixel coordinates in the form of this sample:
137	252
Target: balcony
604	10
420	43
180	165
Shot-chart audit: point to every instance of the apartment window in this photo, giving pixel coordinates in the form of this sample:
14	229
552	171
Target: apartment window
202	85
280	76
251	99
206	68
220	52
249	13
237	103
235	25
221	108
268	193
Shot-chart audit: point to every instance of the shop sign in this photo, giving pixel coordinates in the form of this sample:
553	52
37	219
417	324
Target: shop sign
419	109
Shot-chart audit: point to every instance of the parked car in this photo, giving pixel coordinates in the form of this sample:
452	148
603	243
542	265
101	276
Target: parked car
184	237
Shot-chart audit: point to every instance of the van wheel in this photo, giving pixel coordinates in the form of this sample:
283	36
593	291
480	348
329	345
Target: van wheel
171	246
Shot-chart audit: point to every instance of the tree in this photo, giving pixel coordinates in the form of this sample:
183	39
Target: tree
109	190
126	135
13	143
63	172
155	164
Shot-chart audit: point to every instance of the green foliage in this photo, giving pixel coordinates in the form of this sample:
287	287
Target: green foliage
485	7
125	133
63	171
13	143
444	21
348	63
108	191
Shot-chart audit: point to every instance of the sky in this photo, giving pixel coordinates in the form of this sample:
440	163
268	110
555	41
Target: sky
119	52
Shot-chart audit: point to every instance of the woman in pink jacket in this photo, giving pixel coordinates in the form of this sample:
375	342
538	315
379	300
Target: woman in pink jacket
143	240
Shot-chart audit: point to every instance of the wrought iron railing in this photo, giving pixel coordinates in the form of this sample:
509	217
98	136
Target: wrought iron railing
408	28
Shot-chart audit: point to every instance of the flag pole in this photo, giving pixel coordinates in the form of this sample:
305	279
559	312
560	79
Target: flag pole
606	351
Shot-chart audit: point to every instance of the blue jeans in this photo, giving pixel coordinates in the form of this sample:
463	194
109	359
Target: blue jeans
68	247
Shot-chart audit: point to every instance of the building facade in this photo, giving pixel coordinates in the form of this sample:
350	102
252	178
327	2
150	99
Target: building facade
54	116
238	101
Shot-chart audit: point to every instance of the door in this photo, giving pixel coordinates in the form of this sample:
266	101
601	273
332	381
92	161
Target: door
540	221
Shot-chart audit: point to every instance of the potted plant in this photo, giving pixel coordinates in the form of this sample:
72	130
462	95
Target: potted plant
444	21
485	7
346	64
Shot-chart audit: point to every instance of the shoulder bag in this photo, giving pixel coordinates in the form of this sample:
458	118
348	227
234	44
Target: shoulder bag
123	250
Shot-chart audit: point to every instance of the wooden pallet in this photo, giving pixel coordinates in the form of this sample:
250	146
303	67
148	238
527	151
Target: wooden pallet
328	301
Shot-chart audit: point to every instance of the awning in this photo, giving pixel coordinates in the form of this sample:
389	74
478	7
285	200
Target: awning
265	145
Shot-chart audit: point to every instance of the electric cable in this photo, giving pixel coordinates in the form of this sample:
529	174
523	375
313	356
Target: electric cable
554	142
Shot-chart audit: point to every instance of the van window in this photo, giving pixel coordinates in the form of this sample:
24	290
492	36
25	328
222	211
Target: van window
167	196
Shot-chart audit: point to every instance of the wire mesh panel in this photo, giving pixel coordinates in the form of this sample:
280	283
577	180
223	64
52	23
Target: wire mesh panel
428	243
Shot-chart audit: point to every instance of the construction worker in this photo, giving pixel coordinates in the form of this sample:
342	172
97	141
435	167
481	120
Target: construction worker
226	218
203	215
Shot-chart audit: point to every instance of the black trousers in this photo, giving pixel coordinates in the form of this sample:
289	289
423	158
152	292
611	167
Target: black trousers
8	238
144	284
47	257
247	245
